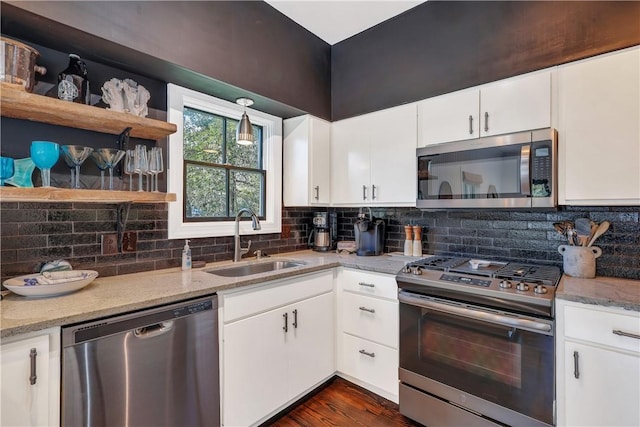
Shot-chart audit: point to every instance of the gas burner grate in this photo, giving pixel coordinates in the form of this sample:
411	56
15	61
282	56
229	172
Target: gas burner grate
547	274
440	262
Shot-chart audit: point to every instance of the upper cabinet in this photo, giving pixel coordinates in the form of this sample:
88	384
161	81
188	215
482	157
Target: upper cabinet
306	162
511	105
599	130
373	158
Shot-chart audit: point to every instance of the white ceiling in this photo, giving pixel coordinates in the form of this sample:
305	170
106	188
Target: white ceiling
336	20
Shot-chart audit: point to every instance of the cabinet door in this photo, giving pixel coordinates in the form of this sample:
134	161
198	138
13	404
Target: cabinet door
450	117
255	368
350	162
320	162
306	167
607	391
516	104
311	347
599	130
24	404
392	155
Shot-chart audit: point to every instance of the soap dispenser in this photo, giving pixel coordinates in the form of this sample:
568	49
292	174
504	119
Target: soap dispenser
186	256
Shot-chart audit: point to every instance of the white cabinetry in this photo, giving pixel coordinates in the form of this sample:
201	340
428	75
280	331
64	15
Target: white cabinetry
373	158
26	401
599	130
368	331
277	344
306	158
598	366
511	105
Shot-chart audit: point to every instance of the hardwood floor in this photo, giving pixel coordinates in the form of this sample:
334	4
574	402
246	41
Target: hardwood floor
342	403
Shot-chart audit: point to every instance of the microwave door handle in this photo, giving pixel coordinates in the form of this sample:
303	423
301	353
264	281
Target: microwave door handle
525	181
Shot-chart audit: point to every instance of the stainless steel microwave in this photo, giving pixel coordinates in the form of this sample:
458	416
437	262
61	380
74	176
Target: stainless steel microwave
516	170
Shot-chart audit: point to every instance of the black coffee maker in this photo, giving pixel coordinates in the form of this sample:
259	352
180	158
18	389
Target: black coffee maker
369	232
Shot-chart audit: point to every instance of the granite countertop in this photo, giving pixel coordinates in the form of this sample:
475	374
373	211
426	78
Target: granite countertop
605	291
108	296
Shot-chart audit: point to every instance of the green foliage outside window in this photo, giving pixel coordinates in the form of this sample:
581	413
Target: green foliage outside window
221	176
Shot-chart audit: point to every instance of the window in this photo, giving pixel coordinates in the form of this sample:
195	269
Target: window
212	176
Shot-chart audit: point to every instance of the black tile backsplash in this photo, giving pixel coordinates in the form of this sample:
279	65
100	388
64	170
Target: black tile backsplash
32	233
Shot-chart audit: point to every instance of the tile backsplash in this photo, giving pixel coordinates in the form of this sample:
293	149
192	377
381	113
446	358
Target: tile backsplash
31	233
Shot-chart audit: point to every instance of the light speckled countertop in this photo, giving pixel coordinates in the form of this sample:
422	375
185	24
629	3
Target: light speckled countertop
108	296
606	291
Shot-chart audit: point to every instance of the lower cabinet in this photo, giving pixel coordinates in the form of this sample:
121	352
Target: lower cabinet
368	331
598	366
280	350
30	379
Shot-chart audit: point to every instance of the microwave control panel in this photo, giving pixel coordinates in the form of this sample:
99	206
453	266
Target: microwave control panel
541	168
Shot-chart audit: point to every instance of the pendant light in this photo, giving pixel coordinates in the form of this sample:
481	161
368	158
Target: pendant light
244	131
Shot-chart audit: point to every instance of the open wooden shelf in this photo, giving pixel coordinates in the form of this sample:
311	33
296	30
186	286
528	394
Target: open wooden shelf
18	104
52	194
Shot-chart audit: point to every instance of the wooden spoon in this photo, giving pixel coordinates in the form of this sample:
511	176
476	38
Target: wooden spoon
602	228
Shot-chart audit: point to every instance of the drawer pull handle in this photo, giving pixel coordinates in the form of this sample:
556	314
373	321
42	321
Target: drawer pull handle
369	310
285	328
295	318
626	334
576	369
32	355
317	190
470	125
366	353
368	285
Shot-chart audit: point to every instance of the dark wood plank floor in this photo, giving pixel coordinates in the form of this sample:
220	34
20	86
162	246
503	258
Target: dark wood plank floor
342	403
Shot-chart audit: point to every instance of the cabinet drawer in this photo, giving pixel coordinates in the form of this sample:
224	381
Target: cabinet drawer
378	285
371	318
372	363
598	326
275	294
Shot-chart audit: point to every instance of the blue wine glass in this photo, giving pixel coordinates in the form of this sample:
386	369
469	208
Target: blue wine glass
45	154
6	169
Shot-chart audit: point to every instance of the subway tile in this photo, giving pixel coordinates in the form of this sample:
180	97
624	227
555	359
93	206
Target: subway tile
24	215
23	242
72	239
95	226
135	267
71	215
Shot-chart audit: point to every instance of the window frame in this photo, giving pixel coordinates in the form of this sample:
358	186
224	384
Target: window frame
177	98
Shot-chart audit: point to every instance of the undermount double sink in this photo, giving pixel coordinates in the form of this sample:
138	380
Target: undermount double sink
255	268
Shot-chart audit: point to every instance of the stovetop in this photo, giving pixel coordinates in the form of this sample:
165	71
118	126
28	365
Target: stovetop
515	286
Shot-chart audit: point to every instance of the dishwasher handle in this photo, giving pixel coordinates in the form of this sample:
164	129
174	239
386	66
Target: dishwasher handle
153	330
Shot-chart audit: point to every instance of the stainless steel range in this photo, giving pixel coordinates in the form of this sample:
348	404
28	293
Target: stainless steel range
476	342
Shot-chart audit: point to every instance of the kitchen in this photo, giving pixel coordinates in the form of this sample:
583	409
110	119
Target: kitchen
500	233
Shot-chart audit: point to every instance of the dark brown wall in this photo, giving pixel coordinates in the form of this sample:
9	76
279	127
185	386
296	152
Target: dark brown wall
443	46
224	48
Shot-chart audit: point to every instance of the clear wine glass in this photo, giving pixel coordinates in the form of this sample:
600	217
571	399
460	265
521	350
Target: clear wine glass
156	165
45	154
102	165
6	169
130	166
76	155
141	164
110	157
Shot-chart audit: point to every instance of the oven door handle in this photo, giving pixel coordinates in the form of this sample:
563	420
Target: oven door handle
406	298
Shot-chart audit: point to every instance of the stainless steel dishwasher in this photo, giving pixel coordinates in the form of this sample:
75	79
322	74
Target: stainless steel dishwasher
157	367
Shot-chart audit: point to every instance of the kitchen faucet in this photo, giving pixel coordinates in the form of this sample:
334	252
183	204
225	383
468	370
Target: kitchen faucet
255	224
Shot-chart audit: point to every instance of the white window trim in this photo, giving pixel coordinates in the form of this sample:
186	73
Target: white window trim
179	97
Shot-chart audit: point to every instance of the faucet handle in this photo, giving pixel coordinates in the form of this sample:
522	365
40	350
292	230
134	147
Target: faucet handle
245	250
260	254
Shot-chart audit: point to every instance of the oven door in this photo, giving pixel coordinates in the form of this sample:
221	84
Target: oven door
495	364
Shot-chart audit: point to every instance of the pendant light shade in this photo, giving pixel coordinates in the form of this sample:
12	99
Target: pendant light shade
244	131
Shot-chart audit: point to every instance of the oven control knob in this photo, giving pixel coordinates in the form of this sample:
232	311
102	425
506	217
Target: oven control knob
522	286
406	269
504	284
540	289
416	270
